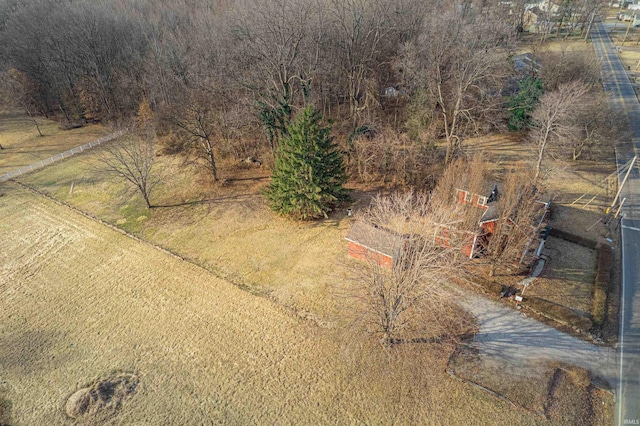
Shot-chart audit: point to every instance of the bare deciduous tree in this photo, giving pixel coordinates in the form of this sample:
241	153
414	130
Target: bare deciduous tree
360	29
517	213
555	119
17	90
518	15
470	176
567	65
131	158
276	38
461	60
198	125
407	302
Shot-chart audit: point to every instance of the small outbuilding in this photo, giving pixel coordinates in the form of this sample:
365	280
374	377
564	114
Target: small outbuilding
370	242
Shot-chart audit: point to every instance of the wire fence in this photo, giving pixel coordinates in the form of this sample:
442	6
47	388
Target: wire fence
40	164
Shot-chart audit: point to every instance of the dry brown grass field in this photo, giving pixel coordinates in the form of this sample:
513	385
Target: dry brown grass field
23	146
569	277
80	301
561	394
255	336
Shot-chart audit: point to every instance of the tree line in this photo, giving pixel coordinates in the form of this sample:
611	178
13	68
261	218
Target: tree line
227	77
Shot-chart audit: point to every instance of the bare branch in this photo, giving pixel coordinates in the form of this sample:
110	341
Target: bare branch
131	159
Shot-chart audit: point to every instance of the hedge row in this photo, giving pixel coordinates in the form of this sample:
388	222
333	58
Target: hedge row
558	312
573	238
602	284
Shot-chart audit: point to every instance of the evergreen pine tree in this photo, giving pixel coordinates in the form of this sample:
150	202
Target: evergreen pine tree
522	105
306	182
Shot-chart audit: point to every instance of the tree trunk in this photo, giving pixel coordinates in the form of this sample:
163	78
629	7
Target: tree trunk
453	141
37	126
34	121
64	111
146	199
448	133
212	159
543	145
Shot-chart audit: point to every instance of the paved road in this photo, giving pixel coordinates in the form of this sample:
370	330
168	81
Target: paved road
508	335
622	97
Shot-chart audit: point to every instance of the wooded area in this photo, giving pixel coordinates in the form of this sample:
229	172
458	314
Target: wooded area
225	78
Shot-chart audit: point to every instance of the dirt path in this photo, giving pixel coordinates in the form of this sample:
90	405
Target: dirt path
511	337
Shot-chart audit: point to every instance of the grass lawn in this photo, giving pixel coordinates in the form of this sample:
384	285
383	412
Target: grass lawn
23	146
80	301
228	230
568	277
560	394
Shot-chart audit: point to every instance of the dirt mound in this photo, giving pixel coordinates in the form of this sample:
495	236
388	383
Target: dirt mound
102	398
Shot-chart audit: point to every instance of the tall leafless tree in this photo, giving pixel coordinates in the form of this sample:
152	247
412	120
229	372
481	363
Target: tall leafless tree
195	120
409	301
18	91
461	60
569	64
131	159
360	29
276	38
518	213
555	119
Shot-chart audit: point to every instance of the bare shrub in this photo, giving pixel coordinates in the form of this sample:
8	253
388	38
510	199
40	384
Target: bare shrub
391	157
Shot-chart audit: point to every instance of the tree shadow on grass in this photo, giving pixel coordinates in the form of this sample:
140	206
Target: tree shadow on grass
216	200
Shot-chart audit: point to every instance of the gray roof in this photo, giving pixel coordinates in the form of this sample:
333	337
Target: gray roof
375	238
491	214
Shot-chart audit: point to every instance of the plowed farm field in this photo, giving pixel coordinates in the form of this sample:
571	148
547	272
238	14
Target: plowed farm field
80	302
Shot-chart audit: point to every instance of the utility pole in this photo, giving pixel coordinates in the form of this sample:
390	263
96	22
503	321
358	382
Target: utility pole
615	24
626	176
628	28
586	36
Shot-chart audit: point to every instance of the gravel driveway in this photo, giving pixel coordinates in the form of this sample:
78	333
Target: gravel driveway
509	336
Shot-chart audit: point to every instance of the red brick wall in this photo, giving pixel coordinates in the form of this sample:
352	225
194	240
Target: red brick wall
467	249
362	253
489	227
